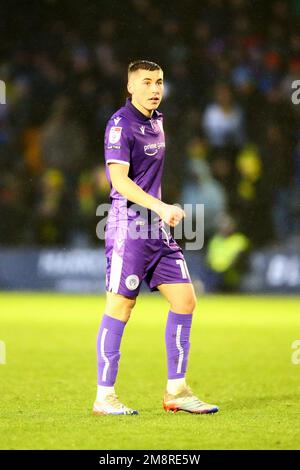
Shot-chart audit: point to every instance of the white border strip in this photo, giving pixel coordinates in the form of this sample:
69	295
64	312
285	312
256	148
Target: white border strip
115	272
180	349
102	341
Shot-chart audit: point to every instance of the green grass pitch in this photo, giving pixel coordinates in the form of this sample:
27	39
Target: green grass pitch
240	359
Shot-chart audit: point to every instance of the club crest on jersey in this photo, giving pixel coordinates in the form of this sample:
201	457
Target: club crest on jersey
142	129
115	134
132	282
116	120
156	125
160	124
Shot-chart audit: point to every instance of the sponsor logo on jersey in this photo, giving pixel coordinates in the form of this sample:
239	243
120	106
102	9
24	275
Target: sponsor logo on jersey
152	149
142	129
115	134
132	282
116	120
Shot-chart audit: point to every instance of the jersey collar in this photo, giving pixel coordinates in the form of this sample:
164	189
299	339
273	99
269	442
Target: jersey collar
138	113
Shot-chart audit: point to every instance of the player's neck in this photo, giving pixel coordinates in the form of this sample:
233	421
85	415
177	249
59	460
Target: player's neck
141	108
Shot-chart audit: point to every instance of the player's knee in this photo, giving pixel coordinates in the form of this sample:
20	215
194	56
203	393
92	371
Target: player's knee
190	303
119	306
129	305
187	304
125	308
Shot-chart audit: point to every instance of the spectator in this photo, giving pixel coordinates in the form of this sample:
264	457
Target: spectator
200	187
63	143
223	120
225	258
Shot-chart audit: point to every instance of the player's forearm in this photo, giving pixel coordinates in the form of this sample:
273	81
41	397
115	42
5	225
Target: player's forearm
131	191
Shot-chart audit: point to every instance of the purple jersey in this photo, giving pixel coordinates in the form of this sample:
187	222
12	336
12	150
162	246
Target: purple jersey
135	140
138	141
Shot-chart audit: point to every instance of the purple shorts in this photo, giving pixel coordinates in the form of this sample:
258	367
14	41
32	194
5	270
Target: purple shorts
129	262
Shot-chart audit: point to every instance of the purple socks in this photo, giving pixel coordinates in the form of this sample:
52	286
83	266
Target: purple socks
108	349
177	337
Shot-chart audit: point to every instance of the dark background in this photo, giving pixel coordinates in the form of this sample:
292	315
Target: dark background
64	64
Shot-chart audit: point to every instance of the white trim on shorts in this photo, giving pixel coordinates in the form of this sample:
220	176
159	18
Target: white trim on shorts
115	272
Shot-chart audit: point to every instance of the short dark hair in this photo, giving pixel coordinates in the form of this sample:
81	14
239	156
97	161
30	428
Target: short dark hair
143	65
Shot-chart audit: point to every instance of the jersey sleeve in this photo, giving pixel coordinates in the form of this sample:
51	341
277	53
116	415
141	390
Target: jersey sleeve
117	146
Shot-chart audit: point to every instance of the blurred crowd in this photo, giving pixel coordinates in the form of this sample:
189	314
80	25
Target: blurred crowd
232	131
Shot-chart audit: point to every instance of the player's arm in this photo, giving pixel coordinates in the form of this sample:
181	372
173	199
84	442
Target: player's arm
131	191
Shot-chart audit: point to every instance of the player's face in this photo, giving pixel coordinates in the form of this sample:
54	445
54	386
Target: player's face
146	88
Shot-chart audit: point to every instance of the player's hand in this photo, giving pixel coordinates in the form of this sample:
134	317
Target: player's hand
170	214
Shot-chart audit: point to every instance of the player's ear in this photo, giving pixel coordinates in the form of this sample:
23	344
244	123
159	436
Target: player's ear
129	87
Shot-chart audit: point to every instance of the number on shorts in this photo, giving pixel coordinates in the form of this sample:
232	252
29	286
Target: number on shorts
183	267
